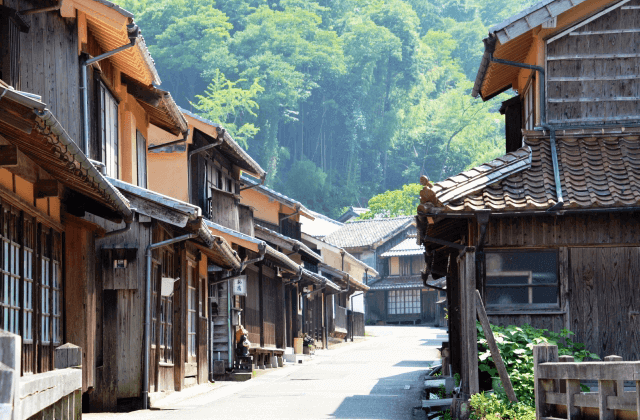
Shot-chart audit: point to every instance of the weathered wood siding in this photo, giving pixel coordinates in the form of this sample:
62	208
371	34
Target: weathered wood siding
219	319
592	71
549	231
252	307
376	306
49	64
605	300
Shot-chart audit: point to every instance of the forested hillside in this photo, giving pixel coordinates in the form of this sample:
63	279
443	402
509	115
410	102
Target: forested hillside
338	100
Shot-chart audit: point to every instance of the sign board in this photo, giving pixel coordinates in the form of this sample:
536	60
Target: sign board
166	288
240	285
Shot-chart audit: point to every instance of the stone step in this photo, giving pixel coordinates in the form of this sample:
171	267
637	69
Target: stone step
437	404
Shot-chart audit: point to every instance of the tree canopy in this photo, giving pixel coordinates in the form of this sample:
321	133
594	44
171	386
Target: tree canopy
338	100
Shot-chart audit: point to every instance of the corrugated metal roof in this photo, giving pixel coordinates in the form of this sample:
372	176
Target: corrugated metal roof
408	247
368	232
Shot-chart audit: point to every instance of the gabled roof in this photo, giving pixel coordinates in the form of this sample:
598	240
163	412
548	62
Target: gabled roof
28	124
596	171
352	213
475	179
182	215
284	241
362	233
406	248
320	227
108	23
512	39
320	280
234	237
249	181
236	154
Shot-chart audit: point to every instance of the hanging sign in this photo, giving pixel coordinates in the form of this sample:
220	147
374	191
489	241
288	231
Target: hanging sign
240	286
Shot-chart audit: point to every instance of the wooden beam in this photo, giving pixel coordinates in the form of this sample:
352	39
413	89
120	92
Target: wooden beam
46	188
8	156
493	347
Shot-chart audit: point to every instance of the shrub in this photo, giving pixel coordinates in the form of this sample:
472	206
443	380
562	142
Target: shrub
492	407
516	348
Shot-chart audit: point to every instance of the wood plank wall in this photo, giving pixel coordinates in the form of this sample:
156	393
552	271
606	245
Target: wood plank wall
49	64
592	73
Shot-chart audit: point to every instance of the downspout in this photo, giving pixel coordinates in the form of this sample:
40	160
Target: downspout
126	228
133	33
297	212
230	350
185	135
543	120
217	143
147	313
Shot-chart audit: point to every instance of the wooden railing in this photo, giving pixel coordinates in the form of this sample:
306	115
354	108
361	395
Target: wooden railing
558	387
56	394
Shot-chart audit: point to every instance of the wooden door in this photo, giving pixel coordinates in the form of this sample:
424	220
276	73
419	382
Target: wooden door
604	297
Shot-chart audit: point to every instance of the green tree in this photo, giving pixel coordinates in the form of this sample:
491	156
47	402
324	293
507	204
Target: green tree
230	105
402	202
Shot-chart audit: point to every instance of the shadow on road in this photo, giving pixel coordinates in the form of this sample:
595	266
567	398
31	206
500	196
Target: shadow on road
389	399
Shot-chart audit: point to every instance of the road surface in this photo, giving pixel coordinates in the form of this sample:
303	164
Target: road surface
378	378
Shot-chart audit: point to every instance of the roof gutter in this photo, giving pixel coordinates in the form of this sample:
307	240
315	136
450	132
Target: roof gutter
543	118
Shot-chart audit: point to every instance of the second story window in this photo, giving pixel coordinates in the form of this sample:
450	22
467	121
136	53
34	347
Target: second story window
108	120
141	144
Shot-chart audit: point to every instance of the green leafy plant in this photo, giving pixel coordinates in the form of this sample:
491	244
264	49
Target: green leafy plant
456	378
492	407
516	348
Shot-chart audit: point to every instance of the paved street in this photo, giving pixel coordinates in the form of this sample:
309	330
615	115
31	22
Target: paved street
378	378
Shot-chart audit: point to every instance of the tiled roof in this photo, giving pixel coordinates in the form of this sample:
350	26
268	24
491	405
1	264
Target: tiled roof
289	243
368	232
407	247
320	227
479	177
596	171
396	282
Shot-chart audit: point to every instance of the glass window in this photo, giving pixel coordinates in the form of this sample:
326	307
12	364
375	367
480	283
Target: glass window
402	302
109	131
191	307
141	144
522	279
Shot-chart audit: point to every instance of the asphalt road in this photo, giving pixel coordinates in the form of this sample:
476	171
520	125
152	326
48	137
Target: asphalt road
378	378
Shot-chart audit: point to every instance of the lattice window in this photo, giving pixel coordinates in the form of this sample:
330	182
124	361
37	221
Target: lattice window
10	287
56	300
402	302
27	301
109	130
166	310
529	105
191	310
45	294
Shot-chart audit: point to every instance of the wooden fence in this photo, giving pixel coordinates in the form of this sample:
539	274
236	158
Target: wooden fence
341	319
558	387
357	324
56	394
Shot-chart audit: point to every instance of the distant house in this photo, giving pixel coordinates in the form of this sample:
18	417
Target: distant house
400	296
320	227
367	240
547	233
352	213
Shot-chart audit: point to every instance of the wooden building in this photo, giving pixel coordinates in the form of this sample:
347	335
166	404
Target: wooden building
546	233
401	297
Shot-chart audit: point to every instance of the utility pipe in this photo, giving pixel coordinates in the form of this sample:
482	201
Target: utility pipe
543	124
41	9
126	228
147	313
133	33
288	216
185	135
262	179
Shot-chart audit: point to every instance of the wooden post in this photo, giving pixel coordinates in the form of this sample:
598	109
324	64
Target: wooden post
10	355
110	350
495	352
638	399
261	300
619	384
571	388
68	355
468	322
543	354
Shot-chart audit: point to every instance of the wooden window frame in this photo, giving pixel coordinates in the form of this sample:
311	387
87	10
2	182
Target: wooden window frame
107	118
404	300
529	110
529	307
141	147
192	311
166	310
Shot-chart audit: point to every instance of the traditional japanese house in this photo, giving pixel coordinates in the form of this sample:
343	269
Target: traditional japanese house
342	268
367	240
277	220
546	233
401	296
352	213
